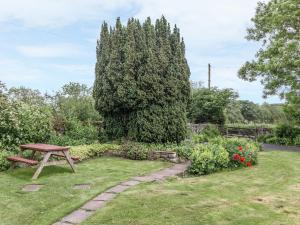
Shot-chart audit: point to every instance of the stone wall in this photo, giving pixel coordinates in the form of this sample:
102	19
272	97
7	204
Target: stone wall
167	155
156	155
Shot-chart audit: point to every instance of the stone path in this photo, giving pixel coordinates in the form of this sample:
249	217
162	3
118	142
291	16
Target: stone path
98	202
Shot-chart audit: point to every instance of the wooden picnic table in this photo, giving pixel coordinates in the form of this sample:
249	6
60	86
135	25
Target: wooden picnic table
47	151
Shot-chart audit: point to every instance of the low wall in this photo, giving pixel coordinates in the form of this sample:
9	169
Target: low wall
156	155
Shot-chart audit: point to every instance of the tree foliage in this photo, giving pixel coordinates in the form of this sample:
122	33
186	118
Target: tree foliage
142	81
75	101
277	63
22	123
208	106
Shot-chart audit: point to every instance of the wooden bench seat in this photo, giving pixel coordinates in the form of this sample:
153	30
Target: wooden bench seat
75	158
22	160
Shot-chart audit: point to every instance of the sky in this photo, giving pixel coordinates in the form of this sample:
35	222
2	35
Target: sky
45	44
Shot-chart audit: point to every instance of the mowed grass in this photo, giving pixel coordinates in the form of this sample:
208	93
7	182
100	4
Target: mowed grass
57	198
268	193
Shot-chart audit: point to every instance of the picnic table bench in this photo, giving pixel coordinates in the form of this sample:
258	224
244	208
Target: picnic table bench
47	151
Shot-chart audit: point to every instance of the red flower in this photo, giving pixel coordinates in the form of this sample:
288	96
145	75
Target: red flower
242	159
240	148
236	157
249	164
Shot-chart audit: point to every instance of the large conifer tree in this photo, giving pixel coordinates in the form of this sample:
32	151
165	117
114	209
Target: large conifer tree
142	81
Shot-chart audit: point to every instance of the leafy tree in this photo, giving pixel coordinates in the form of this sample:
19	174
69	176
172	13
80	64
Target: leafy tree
233	113
208	106
142	81
277	64
3	89
75	101
26	95
250	111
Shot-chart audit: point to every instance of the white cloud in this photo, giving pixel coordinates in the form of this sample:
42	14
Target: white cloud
203	22
49	51
53	13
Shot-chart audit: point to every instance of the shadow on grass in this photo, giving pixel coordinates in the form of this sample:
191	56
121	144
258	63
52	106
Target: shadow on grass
27	173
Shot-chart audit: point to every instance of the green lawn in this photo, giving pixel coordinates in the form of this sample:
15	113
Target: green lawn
268	193
57	198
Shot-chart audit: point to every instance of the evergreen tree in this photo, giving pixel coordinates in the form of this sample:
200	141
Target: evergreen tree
142	81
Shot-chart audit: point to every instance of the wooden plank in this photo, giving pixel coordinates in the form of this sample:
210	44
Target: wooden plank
22	160
43	147
41	166
69	160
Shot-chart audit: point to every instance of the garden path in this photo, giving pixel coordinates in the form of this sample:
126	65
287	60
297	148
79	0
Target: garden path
99	201
271	147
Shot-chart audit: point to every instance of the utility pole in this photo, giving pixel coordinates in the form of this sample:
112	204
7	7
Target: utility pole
208	76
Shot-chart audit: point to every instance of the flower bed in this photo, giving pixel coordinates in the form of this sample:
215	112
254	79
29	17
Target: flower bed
221	153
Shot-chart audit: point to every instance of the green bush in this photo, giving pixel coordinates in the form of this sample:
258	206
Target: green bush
210	131
207	159
21	123
222	153
297	140
287	131
284	134
4	164
76	133
244	150
136	151
93	150
185	149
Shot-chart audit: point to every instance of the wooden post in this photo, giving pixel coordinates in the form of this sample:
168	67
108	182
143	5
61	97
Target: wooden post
209	76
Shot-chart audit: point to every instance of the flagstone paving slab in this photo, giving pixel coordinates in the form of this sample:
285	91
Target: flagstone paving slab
93	205
32	187
105	197
131	183
77	216
117	189
82	186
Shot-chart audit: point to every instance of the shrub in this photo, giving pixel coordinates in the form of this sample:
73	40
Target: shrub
242	152
208	158
297	140
284	134
184	149
222	153
4	164
93	150
287	131
76	133
210	131
21	123
77	130
136	151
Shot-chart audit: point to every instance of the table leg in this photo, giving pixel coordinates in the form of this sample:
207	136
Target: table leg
41	166
69	160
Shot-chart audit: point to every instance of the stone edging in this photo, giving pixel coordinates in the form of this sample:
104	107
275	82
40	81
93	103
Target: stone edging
99	201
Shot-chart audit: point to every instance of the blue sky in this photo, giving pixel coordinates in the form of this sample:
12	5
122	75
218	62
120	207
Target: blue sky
45	44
